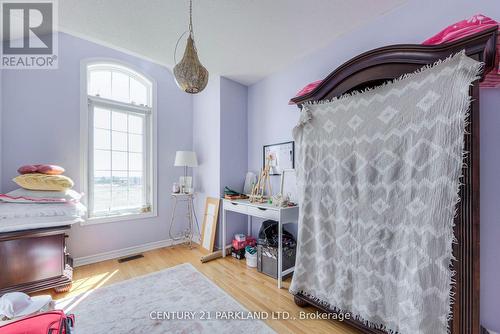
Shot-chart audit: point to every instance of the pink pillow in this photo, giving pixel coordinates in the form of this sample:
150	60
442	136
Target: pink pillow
43	169
461	29
50	169
308	88
464	28
26	169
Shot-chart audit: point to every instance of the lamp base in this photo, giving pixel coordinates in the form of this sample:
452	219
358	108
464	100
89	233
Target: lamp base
186	184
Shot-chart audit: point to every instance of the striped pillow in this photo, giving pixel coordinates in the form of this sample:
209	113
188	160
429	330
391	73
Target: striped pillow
464	28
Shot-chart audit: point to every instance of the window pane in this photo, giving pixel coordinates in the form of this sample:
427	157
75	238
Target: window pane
102	139
119	161
135	196
102	191
119	121
120	191
120	87
102	118
102	160
138	92
135	123
135	143
135	161
100	83
119	141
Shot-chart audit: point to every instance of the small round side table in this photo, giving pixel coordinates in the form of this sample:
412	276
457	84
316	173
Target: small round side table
188	233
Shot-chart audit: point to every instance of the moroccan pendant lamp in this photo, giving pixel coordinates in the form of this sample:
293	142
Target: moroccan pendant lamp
190	75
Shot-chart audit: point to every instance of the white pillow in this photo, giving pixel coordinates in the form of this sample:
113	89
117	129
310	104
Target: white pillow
40	196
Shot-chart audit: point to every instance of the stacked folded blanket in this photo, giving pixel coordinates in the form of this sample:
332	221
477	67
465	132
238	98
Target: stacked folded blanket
45	199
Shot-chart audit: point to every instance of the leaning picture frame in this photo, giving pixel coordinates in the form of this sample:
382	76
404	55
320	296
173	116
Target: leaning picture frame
288	187
209	224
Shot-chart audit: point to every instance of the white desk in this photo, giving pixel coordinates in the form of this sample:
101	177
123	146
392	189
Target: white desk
265	211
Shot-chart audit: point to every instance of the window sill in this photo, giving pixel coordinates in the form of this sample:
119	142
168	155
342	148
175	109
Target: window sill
114	219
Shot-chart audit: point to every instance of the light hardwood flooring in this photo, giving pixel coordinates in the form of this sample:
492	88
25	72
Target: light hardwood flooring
255	291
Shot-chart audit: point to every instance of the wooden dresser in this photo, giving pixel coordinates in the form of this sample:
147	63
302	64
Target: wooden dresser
34	260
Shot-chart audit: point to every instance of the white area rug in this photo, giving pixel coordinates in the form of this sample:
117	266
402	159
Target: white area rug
126	307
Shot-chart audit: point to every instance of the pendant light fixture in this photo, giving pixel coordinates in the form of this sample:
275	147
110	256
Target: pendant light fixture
190	75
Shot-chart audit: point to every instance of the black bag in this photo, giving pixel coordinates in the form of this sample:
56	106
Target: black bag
268	235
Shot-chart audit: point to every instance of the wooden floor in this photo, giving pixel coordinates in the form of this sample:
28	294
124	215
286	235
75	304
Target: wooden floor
255	291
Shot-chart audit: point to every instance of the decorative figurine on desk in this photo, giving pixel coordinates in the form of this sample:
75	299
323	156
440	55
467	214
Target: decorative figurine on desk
280	201
259	190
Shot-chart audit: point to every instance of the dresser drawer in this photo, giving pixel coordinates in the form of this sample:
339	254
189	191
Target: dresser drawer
264	213
236	207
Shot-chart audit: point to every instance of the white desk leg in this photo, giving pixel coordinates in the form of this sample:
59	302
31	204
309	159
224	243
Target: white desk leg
223	241
280	252
249	225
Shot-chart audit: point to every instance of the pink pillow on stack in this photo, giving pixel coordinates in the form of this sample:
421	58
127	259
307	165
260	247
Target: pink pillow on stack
42	169
26	169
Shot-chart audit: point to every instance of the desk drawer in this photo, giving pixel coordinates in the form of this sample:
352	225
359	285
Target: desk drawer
236	207
264	213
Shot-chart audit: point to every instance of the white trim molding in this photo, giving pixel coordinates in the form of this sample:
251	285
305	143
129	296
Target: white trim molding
119	253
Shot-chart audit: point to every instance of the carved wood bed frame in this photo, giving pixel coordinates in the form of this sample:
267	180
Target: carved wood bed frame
379	65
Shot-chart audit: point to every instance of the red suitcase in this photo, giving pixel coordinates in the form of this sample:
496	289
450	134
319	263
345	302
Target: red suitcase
52	322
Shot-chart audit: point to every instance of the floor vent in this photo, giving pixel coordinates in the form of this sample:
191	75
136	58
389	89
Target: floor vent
130	258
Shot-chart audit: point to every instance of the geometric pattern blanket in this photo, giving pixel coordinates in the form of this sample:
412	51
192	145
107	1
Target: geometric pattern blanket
378	176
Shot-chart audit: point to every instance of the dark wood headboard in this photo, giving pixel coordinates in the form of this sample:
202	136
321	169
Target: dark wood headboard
387	63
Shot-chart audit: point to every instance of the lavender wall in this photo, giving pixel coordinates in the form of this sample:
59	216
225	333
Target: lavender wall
41	110
234	135
220	141
271	120
1	108
490	215
206	144
233	147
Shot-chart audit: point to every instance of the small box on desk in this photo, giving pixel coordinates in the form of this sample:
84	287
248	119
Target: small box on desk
267	260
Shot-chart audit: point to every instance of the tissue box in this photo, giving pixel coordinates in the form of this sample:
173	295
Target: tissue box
240	237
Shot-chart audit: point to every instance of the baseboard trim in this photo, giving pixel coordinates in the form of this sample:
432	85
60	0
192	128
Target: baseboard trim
114	254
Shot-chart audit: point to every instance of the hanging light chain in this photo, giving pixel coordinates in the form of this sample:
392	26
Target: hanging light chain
190	75
191	17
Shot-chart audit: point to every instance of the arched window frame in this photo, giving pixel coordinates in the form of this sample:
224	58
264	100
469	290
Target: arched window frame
88	102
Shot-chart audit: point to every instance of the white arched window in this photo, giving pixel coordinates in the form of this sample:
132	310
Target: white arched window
119	162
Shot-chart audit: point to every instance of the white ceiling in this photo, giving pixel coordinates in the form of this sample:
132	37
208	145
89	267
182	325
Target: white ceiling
244	40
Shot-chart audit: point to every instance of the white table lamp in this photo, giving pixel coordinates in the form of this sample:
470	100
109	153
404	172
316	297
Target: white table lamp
186	159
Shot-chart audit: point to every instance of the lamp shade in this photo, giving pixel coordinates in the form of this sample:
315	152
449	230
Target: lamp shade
186	159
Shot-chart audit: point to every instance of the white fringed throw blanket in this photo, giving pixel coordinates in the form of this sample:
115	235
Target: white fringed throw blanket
378	176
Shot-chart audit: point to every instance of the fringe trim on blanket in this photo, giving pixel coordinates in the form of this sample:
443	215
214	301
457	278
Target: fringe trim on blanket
404	77
464	109
335	309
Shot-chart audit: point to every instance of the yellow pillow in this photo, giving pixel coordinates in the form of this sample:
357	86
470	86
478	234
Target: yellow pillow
36	181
